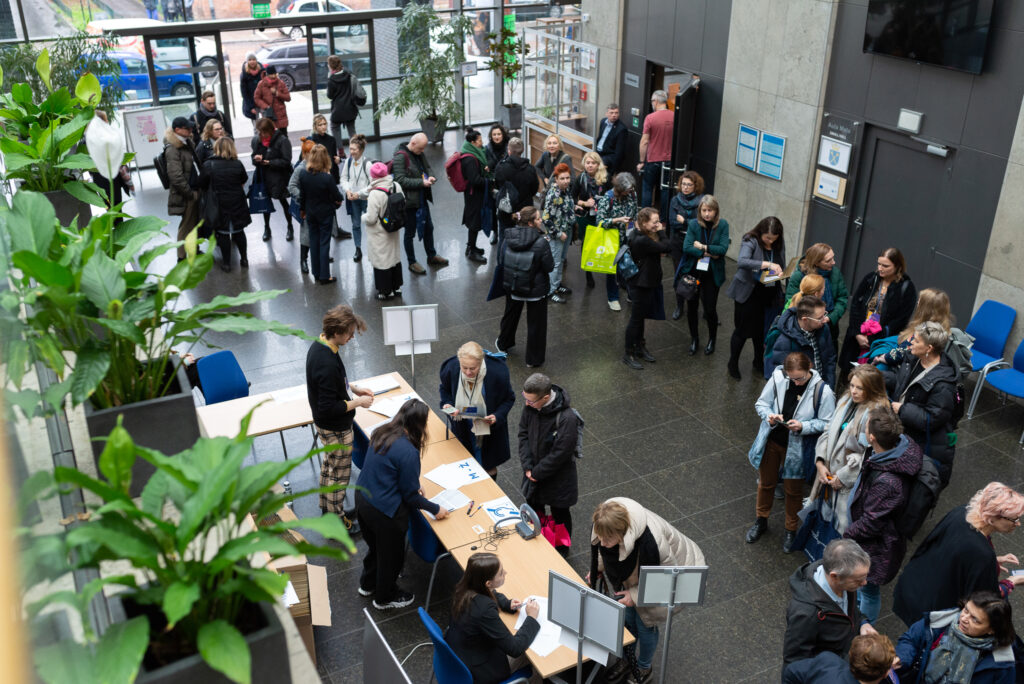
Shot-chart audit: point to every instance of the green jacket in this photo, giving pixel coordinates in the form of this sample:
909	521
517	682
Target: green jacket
839	294
718	245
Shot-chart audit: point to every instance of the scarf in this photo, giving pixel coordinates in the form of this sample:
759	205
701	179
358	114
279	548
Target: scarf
954	659
466	397
812	339
478	152
830	300
690	204
265	142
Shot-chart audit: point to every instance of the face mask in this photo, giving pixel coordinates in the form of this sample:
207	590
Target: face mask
862	439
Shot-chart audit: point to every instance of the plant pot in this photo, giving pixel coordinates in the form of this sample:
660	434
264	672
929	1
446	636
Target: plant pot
168	423
512	117
68	207
433	129
268	649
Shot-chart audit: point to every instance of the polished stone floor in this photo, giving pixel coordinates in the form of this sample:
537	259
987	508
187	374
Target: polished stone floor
674	437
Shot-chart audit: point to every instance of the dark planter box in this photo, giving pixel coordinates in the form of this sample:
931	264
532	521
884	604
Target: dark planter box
168	424
268	649
512	117
68	207
433	129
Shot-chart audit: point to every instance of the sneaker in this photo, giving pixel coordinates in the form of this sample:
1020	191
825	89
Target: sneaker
365	592
401	600
563	290
615	306
497	347
416	268
437	260
397	293
641	676
557	298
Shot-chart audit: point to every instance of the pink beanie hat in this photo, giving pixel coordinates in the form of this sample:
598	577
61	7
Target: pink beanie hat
378	170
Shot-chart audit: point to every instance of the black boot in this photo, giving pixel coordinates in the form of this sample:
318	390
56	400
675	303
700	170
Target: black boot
304	259
759	527
473	255
643	353
788	540
710	349
735	347
678	313
590	279
629	358
266	233
358	256
290	235
694	343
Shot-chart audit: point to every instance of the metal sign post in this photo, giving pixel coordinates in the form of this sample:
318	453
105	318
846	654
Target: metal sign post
671	586
589	615
467	69
411	329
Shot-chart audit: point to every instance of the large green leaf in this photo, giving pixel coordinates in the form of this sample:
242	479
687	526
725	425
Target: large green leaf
243	547
63	662
244	324
75	477
119	653
76	161
224	649
79	190
140	550
43	67
91	366
17	161
329	526
43	271
31	223
117	458
178	601
140	225
88	89
102	280
125	329
211	492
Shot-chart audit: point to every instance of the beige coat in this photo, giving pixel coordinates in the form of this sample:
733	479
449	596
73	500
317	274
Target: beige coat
674	548
383	249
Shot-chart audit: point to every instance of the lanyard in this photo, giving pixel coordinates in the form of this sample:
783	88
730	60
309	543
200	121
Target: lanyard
470	393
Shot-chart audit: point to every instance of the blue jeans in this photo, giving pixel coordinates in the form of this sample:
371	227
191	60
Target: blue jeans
557	252
651	178
355	212
418	221
611	287
646	638
869	601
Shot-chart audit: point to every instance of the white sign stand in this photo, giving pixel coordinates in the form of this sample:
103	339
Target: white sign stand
411	329
588	614
671	586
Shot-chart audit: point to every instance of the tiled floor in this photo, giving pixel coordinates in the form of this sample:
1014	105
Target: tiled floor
674	437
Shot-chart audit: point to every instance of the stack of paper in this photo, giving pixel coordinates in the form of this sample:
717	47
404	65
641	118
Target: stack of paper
390	406
452	499
547	639
290	597
384	383
458	474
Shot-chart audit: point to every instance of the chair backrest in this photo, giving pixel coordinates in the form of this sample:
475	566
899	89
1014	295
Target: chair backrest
990	327
221	377
360	445
1018	357
422	539
448	668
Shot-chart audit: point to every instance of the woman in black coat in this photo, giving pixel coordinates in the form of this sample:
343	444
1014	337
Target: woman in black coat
476	633
320	136
252	72
922	390
884	301
272	157
473	161
647	243
478	403
318	202
526	267
497	145
225	177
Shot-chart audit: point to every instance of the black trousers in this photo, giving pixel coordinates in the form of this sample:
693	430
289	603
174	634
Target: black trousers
224	242
320	247
640	309
536	328
748	318
285	209
708	298
385	555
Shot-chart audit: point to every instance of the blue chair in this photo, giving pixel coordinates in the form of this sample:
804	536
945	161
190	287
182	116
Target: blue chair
1010	380
221	377
426	545
448	668
990	327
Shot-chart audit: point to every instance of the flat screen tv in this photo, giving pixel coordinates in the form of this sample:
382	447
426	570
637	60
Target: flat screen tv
947	33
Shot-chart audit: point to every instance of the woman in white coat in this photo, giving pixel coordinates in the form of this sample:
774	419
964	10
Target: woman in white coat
383	248
795	405
841	447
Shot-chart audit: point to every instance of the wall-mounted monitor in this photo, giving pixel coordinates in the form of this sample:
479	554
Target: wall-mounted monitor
947	33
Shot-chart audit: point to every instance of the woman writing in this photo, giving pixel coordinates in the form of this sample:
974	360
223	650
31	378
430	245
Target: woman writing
225	177
794	405
389	491
972	644
355	184
646	244
272	157
820	259
384	247
476	633
957	557
477	393
881	306
319	200
763	251
923	393
626	537
840	449
474	171
585	189
615	211
704	246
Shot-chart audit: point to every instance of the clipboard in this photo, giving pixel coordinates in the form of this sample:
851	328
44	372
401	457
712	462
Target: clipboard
769	279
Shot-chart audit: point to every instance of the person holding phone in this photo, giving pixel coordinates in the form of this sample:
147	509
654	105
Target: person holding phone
626	536
795	405
476	633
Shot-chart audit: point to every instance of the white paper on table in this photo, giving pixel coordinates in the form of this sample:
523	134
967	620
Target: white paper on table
289	394
546	640
451	499
458	474
590	649
502	508
380	385
290	597
390	406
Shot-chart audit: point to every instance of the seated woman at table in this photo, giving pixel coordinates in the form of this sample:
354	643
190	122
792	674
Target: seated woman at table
389	488
476	633
476	390
627	536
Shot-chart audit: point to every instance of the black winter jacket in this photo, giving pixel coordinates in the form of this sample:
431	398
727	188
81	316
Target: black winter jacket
331	144
408	171
226	178
523	177
279	171
647	255
791	339
475	179
320	196
483	642
527	238
341	87
897	308
814	622
247	84
547	448
927	409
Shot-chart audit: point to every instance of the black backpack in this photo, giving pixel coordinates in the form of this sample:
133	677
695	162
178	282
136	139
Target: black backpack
924	494
160	163
517	271
393	216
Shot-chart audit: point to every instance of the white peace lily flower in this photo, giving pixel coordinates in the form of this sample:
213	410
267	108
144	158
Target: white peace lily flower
106	146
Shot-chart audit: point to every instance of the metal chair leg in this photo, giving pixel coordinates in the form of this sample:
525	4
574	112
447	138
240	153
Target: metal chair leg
981	384
1021	439
430	587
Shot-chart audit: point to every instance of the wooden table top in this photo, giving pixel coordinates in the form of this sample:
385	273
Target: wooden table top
367	419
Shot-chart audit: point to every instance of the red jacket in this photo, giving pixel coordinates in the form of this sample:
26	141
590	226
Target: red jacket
264	97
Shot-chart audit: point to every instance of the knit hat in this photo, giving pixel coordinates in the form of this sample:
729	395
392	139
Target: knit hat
378	170
180	122
271	69
250	55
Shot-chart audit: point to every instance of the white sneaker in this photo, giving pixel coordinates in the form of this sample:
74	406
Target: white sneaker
401	600
615	306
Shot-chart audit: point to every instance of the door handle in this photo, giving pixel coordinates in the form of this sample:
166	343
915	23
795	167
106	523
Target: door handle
859	222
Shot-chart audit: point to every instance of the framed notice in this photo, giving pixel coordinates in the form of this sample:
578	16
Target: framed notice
834	155
145	130
770	153
746	147
829	187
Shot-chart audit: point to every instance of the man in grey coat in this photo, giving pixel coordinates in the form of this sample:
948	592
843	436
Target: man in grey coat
183	175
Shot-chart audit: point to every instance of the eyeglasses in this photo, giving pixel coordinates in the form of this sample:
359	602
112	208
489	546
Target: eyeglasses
801	380
819	320
1015	521
540	400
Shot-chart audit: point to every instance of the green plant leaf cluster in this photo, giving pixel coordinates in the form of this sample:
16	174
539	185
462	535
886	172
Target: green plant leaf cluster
430	51
184	535
87	305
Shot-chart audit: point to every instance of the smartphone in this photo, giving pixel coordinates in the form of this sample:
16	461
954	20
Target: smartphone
450	410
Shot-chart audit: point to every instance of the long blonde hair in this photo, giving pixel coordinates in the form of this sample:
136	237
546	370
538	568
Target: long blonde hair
602	171
873	382
932	305
811	284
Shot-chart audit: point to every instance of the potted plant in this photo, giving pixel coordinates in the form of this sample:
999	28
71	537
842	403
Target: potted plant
430	51
87	305
196	608
506	50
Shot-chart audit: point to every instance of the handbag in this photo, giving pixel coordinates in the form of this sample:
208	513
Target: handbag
209	211
817	529
555	533
625	268
259	200
687	287
600	247
268	113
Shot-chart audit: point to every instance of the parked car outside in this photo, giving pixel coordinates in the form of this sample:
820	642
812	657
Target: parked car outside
307	7
169	51
292	62
134	76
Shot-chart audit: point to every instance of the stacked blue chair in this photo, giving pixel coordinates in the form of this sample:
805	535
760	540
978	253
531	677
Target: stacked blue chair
448	668
221	377
1010	380
990	327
